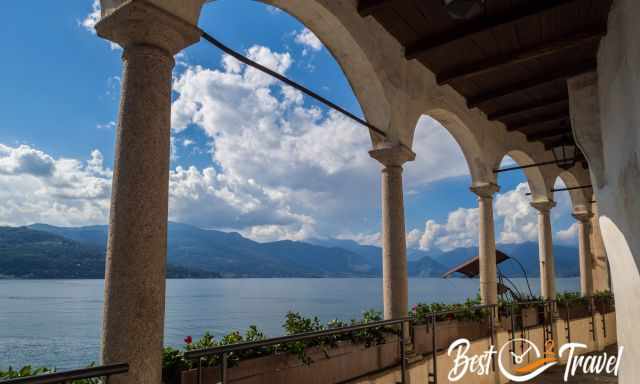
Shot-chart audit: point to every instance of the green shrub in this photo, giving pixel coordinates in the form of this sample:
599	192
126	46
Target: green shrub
422	312
571	298
28	371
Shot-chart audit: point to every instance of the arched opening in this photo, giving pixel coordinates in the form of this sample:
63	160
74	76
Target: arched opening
299	175
441	211
517	223
538	187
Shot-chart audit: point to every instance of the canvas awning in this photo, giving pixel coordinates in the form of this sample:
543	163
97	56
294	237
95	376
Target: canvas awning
471	268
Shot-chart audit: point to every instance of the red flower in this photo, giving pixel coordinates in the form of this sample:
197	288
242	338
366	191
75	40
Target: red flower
188	340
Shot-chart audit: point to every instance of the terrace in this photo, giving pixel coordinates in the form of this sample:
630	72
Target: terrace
411	349
550	83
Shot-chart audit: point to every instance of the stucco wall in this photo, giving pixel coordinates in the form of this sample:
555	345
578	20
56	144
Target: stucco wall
619	104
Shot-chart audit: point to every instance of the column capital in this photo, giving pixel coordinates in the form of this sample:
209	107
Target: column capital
140	22
392	154
543	206
582	216
485	190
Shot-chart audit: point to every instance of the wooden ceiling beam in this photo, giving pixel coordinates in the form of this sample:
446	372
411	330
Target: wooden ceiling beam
561	117
494	64
548	134
530	107
482	24
533	82
368	7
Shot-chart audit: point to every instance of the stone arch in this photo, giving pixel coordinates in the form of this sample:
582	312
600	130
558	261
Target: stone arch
580	198
466	140
538	184
574	177
346	39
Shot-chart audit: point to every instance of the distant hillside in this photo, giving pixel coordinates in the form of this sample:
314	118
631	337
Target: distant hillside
421	263
47	251
28	253
233	255
566	259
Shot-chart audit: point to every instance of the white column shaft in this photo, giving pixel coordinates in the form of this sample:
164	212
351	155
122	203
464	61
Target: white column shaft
133	321
584	244
395	283
547	262
487	251
394	253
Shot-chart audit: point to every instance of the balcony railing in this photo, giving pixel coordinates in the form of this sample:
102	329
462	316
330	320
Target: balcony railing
545	313
514	317
90	375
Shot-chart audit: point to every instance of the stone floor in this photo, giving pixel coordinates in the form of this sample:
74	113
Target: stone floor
555	375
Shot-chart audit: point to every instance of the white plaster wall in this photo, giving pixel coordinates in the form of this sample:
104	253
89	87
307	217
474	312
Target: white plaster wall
619	95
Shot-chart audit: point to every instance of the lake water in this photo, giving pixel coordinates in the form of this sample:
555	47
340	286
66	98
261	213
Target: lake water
56	323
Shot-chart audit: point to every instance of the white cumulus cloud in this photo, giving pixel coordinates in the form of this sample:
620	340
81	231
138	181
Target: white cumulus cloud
302	170
309	40
25	160
516	222
92	18
460	231
520	219
35	187
568	235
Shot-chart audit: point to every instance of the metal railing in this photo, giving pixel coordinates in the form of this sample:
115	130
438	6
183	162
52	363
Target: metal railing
202	355
92	374
547	312
490	311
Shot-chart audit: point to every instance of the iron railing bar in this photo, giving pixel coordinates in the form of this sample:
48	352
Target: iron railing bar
238	56
568	316
225	364
192	355
454	311
593	317
515	168
76	374
403	359
195	354
434	352
604	322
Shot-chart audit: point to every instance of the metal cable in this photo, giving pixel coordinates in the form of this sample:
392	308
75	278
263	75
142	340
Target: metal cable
293	84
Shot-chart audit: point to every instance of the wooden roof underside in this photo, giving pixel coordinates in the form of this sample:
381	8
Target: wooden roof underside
512	61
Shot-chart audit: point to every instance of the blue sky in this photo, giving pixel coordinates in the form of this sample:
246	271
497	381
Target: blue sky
249	155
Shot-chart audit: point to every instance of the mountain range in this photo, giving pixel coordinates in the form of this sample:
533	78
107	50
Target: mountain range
44	251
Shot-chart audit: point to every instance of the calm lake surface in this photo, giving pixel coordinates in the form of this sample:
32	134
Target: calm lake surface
56	323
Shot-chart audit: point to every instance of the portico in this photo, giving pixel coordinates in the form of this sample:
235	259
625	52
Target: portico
399	76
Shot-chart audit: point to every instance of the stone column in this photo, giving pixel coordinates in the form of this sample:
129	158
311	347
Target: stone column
599	260
487	243
584	245
395	284
133	323
545	245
